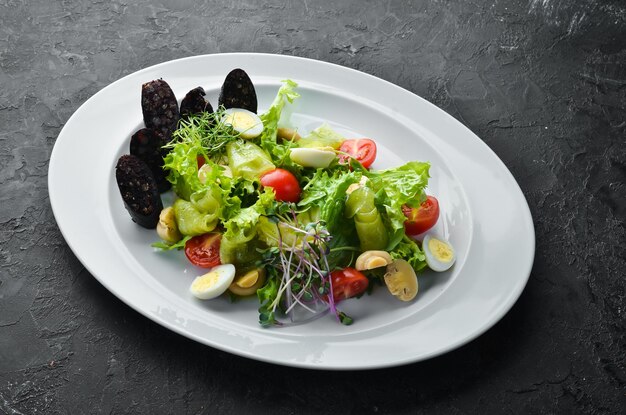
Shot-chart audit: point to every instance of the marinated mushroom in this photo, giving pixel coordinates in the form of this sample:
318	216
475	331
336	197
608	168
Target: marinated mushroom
167	229
372	259
401	280
248	283
288	134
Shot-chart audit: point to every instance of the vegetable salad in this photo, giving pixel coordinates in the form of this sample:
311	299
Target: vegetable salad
299	221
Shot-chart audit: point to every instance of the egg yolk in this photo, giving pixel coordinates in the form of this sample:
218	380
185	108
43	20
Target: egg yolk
205	282
441	250
240	120
248	280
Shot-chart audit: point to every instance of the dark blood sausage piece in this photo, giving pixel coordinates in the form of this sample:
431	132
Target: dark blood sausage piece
147	145
238	91
139	191
159	106
194	103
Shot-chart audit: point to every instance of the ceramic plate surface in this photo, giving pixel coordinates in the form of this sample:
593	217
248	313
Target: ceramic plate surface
483	213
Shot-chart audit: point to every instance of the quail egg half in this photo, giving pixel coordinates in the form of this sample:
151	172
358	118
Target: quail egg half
439	253
245	122
214	283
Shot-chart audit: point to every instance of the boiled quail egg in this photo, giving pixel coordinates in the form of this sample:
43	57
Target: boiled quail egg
439	253
249	282
245	122
214	283
312	157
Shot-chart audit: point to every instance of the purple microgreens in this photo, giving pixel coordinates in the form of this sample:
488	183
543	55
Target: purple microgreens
302	270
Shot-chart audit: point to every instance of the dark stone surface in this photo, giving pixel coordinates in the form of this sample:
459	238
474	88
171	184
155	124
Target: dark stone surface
542	82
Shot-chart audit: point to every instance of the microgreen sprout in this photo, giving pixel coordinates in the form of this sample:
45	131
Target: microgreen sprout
210	129
301	272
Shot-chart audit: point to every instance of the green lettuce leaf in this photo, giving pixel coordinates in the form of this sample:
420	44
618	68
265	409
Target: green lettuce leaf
201	136
322	136
327	191
279	150
208	205
368	221
167	247
241	228
192	221
396	187
408	250
182	164
248	160
325	196
267	296
239	242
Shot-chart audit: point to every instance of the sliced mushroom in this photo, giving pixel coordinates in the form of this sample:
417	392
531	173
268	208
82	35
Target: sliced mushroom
401	280
248	283
167	228
372	259
288	134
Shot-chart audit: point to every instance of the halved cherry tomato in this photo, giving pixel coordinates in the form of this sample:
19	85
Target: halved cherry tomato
204	250
347	283
284	184
201	160
422	218
362	149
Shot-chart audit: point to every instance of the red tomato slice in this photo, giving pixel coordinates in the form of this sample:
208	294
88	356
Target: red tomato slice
204	250
361	149
422	218
201	160
285	185
348	282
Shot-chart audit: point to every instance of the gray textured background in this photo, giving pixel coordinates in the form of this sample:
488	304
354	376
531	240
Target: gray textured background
542	82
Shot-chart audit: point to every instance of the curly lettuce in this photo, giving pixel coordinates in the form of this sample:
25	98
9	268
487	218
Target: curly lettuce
324	197
279	150
396	187
239	242
410	251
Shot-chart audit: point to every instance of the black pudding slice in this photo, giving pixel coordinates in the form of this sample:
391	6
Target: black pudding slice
159	107
238	91
194	103
147	145
139	191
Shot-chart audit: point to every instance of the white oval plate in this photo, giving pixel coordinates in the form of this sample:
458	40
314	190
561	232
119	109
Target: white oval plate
484	214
